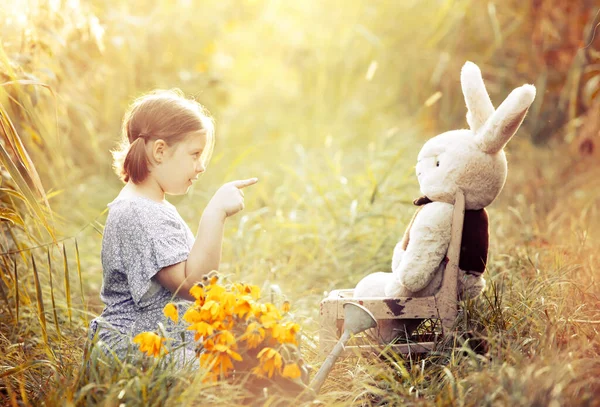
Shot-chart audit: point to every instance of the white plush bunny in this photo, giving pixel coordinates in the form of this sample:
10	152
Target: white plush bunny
472	160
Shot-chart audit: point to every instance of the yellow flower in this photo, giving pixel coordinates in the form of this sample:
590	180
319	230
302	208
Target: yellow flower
218	360
269	310
254	335
202	329
225	338
226	317
243	306
208	344
192	315
197	291
224	325
211	310
286	333
170	311
269	362
253	290
215	292
291	371
228	302
150	343
227	350
270	315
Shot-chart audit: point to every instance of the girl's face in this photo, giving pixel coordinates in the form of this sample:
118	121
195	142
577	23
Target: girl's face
176	167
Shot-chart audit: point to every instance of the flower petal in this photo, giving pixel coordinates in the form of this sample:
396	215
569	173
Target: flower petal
170	311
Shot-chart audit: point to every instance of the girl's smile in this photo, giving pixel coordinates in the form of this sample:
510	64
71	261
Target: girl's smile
173	161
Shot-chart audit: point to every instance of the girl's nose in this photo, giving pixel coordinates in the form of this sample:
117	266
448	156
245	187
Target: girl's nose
200	168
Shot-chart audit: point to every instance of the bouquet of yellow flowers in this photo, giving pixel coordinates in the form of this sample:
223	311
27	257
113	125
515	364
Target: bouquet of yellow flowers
236	332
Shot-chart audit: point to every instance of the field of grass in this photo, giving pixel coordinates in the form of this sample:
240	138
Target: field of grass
327	103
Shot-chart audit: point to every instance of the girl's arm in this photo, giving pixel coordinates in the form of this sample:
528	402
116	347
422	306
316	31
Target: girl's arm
205	254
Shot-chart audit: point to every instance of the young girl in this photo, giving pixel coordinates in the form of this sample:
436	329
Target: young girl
148	251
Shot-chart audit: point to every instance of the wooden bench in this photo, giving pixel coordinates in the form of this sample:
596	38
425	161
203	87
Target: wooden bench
442	306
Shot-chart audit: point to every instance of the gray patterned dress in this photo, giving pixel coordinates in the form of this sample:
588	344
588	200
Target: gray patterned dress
141	236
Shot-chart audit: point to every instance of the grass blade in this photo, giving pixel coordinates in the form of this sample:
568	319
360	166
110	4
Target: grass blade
12	192
23	367
11	216
52	295
40	302
16	288
11	393
17	145
67	284
6	276
5	298
22	171
77	260
19	82
22	249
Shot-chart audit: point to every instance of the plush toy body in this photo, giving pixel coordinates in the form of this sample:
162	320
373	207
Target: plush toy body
472	160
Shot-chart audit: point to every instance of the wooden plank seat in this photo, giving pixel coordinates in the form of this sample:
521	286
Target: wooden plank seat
442	306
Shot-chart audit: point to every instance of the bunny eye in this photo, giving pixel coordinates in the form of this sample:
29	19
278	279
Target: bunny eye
437	163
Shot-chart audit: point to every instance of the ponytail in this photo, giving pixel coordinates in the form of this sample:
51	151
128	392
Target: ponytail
135	166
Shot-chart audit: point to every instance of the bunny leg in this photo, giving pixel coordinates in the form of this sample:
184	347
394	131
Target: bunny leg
372	285
469	285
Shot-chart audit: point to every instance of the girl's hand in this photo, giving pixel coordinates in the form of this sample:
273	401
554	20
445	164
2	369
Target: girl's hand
229	199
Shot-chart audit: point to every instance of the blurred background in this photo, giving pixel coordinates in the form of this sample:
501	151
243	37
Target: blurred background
326	102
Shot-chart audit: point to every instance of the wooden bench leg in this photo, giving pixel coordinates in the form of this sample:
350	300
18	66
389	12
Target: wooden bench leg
328	331
448	315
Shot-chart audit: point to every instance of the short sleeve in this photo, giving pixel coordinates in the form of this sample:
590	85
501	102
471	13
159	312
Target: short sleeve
156	240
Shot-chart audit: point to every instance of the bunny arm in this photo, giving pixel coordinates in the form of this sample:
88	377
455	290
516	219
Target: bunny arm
429	240
397	256
399	249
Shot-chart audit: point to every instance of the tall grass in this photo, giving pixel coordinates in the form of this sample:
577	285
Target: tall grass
327	103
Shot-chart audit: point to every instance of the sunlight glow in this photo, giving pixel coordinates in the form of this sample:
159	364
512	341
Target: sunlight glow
54	5
17	12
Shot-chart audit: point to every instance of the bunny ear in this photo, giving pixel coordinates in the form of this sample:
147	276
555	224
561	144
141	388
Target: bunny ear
506	120
479	105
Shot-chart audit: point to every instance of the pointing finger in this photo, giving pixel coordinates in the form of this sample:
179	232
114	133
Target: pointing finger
245	183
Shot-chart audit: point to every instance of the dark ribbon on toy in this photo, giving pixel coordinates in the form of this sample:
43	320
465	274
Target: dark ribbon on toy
422	201
475	239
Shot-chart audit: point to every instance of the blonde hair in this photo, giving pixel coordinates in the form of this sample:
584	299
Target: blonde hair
161	114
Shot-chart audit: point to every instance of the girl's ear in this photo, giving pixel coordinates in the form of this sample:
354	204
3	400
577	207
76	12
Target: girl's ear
506	120
158	150
479	105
